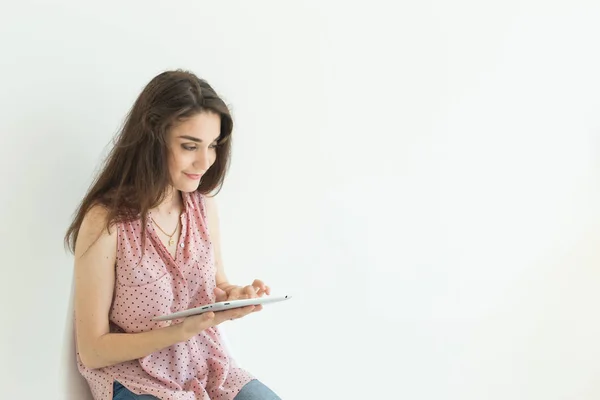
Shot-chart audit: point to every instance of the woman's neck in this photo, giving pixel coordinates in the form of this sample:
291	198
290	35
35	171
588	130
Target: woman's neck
172	204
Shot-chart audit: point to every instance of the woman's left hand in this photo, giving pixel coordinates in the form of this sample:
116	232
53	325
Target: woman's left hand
233	292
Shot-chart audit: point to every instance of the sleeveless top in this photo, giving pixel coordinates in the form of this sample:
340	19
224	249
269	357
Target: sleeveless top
159	284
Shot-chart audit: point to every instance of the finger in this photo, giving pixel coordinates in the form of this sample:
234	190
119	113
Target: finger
208	315
246	310
259	285
266	290
242	294
235	293
243	311
250	291
220	294
203	317
197	323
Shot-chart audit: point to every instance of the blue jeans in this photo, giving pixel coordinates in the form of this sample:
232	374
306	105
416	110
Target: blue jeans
253	390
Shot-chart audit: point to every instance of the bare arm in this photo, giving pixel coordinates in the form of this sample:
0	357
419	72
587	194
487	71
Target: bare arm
94	286
258	288
215	237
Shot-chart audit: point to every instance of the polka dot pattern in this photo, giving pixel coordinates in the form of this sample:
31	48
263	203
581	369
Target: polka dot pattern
157	284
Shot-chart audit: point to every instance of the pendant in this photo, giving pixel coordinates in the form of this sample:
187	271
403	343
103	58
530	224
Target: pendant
171	242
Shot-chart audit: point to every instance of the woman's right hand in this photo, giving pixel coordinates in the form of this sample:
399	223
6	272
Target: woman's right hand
191	326
195	324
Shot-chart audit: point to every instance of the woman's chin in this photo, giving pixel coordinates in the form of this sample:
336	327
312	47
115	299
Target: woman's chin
188	187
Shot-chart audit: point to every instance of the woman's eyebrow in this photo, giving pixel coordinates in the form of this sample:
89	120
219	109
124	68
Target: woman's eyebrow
195	139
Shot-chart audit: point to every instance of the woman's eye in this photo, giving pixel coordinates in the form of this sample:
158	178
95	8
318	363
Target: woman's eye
190	148
214	146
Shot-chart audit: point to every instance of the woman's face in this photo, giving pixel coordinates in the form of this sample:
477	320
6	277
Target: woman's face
192	149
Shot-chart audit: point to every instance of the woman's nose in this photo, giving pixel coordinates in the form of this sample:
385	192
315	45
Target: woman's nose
203	161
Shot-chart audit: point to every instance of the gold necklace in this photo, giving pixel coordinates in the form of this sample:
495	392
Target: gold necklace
171	240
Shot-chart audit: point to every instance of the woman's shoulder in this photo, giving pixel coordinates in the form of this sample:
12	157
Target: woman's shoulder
95	219
95	229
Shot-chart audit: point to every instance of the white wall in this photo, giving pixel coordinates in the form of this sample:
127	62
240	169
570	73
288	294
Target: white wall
434	165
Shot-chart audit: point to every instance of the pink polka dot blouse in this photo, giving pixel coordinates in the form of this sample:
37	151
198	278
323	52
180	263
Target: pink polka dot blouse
199	368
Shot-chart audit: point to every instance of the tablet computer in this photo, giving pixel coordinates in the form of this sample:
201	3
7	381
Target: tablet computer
220	306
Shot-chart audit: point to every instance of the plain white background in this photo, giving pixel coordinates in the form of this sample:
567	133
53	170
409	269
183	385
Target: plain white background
433	166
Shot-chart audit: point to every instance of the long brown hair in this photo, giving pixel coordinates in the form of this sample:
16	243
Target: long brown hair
135	175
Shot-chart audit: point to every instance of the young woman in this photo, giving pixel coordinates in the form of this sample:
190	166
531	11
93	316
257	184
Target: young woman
146	243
